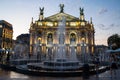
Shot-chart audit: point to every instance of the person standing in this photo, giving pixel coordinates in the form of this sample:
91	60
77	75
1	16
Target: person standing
113	65
97	65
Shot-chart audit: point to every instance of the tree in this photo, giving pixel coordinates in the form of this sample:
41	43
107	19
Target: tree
114	41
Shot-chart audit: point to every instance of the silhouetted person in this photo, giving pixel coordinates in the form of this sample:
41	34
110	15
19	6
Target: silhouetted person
97	63
86	71
113	65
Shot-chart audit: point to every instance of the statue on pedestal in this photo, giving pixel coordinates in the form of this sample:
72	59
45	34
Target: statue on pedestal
41	10
61	8
82	11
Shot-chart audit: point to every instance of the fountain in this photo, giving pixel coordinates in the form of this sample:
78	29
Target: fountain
20	51
61	61
57	64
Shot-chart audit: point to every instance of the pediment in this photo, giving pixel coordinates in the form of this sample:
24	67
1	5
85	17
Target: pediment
59	16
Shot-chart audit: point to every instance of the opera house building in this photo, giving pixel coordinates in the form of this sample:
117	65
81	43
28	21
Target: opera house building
78	33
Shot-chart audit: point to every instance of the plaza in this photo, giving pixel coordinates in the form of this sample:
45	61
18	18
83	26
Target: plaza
64	43
9	75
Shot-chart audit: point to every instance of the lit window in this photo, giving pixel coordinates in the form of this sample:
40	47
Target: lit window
40	23
49	24
82	23
72	24
0	26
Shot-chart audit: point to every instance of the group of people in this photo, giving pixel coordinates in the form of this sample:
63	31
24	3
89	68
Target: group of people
113	64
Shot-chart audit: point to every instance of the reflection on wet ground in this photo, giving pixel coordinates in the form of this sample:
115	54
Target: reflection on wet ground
10	75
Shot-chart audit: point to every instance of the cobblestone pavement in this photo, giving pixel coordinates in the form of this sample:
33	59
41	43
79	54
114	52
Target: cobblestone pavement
10	75
108	75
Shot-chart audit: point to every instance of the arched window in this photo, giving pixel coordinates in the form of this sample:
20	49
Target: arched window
39	40
72	38
82	34
49	38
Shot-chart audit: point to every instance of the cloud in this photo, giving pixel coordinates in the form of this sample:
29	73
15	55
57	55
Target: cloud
104	27
114	25
118	17
103	10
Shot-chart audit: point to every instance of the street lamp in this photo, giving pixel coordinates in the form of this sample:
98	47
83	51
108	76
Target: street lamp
86	67
83	45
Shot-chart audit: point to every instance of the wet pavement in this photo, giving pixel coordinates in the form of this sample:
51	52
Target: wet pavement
10	75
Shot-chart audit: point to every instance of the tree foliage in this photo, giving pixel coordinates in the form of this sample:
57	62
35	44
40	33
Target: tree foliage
114	41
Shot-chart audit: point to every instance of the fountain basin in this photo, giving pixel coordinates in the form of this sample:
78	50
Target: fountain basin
56	65
54	73
64	66
34	71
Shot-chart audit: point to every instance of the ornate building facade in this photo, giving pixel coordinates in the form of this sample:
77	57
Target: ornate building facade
6	34
78	32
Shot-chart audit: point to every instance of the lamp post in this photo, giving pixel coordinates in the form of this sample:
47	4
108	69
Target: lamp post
86	67
39	49
83	45
40	52
7	56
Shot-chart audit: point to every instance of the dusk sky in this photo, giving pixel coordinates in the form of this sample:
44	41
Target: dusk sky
105	14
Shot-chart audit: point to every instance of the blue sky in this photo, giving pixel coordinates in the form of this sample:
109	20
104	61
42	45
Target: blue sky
105	14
